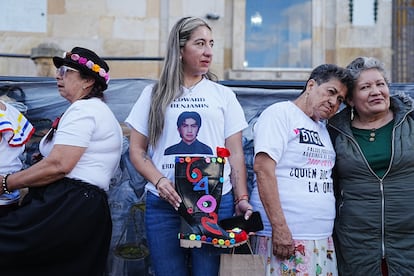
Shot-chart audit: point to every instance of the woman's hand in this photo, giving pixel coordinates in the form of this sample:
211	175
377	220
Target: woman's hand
283	245
244	207
238	175
143	164
167	192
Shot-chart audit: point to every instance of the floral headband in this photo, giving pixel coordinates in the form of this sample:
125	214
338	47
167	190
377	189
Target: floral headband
90	64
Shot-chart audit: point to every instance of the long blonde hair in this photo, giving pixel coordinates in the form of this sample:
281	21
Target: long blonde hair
168	88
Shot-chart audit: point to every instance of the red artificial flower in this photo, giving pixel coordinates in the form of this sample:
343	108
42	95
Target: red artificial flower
222	152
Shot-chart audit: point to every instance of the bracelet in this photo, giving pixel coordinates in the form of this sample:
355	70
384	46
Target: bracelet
158	182
4	184
243	197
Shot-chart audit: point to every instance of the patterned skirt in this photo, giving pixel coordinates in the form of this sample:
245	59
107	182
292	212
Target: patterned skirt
312	257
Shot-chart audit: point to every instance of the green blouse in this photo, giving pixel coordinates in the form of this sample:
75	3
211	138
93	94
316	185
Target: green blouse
376	146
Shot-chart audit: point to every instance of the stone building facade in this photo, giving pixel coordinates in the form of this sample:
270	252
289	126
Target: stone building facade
139	28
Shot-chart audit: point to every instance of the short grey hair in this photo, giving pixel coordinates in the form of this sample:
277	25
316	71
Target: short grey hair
361	64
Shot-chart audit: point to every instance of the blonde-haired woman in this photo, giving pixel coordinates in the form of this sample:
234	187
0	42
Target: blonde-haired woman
186	84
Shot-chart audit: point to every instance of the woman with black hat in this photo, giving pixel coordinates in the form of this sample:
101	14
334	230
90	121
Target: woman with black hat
64	226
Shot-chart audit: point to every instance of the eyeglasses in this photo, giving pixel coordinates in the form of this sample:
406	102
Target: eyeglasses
61	71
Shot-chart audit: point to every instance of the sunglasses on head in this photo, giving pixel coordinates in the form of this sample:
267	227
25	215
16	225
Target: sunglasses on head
61	71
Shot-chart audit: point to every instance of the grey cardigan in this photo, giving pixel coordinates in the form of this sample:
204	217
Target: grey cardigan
375	216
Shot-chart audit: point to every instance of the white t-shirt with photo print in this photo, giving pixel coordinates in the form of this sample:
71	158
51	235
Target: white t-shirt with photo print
221	116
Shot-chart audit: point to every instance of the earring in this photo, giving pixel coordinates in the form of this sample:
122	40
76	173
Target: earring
352	113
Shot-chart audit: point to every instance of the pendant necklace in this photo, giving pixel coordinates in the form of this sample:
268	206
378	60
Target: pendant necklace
190	89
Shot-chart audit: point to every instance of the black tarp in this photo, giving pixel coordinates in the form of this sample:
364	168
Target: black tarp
45	104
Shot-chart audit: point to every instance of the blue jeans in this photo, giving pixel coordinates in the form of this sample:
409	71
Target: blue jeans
162	224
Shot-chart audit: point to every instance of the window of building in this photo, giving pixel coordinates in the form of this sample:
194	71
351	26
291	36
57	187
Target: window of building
363	12
278	34
23	16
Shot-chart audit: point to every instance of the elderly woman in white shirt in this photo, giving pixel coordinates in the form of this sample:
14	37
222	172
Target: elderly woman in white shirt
64	225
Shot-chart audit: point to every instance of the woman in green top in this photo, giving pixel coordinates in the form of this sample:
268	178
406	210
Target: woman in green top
374	176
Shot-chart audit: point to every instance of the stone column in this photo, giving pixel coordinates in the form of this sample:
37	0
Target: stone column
42	57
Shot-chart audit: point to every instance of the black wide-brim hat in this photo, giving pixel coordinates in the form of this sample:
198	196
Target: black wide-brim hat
86	61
